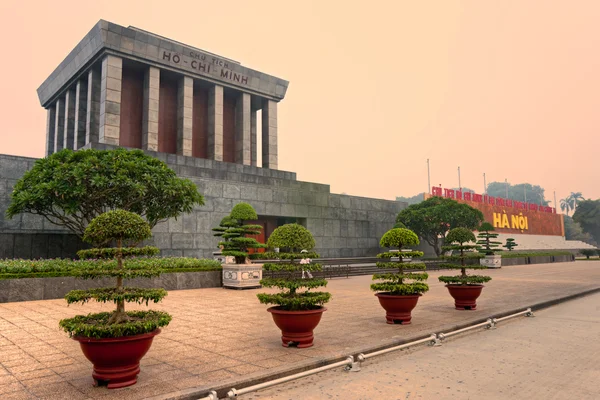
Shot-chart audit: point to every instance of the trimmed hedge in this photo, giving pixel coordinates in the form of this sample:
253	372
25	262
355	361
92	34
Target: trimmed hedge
14	269
111	252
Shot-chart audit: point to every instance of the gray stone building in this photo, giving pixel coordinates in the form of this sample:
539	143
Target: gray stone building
198	112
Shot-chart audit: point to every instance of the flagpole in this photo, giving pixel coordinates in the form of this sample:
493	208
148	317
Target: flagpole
428	178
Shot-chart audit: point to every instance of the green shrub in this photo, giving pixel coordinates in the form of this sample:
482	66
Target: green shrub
588	253
119	226
598	252
458	237
111	252
292	238
13	269
234	233
510	244
396	281
294	270
485	239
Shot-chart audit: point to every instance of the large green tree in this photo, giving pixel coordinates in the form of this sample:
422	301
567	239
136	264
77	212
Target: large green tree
431	219
587	215
574	231
533	193
70	188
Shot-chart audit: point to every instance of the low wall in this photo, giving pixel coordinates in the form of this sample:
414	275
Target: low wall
537	260
27	289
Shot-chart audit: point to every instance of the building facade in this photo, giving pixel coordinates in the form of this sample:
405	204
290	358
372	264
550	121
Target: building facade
197	112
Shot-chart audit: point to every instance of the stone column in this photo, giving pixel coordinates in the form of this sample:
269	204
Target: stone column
253	141
215	123
150	114
50	126
80	113
242	129
269	134
110	100
92	120
59	125
185	101
69	132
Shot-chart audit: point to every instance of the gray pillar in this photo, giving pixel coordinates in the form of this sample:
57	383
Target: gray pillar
59	124
50	132
242	129
69	132
253	141
215	123
185	100
150	113
110	100
92	120
80	114
269	134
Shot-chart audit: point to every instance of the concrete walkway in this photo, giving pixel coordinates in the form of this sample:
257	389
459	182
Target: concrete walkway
552	356
223	338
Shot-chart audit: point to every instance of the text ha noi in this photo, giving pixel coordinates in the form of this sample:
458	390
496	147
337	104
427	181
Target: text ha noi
509	216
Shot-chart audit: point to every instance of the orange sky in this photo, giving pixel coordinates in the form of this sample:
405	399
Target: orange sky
510	88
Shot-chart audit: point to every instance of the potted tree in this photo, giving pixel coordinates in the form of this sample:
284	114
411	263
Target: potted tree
297	313
243	274
115	342
465	289
226	223
510	244
485	239
399	291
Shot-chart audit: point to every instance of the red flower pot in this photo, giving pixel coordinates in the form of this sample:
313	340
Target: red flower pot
465	296
116	360
398	308
297	326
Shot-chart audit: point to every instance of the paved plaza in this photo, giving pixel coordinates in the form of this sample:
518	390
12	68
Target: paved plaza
220	337
551	356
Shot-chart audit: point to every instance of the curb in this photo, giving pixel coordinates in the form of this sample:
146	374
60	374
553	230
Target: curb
256	378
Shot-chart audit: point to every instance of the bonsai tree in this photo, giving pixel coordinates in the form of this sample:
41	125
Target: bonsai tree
395	281
70	188
485	239
287	275
236	243
588	253
90	330
458	239
510	244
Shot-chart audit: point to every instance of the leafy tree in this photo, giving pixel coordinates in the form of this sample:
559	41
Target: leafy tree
574	231
396	281
485	239
573	198
535	193
236	243
458	239
587	215
588	253
71	188
510	244
411	200
433	218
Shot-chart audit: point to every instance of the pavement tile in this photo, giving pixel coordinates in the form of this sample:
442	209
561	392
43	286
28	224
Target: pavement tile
218	335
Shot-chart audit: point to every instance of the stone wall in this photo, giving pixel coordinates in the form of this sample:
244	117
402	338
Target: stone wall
343	226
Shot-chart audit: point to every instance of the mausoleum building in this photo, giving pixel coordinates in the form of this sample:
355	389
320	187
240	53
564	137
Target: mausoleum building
199	113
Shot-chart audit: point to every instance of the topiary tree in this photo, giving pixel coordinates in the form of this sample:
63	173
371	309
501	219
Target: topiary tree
397	282
234	231
121	226
399	225
485	239
458	237
291	239
70	188
510	244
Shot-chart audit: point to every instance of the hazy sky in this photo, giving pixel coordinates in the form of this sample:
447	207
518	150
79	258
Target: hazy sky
510	88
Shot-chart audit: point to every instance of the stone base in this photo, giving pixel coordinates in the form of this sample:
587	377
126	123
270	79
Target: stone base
494	261
242	276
